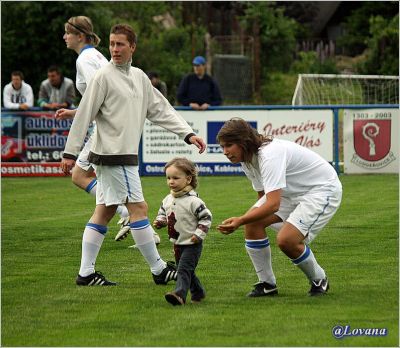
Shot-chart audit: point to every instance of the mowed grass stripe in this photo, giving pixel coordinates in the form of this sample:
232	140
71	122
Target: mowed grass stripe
42	224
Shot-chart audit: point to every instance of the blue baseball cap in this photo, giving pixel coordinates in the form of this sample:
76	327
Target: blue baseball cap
199	60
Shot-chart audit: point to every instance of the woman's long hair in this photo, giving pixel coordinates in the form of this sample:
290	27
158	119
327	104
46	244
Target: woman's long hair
238	131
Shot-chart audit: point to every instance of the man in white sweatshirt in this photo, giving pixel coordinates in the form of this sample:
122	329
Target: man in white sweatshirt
119	98
17	94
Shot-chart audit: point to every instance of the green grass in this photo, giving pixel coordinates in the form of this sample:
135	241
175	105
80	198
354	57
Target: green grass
42	224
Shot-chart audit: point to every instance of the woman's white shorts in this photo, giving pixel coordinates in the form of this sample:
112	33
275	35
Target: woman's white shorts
309	212
82	160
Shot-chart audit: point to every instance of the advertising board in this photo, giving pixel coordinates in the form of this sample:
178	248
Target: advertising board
371	141
32	143
309	128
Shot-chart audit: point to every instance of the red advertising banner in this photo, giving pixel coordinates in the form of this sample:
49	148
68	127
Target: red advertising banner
32	143
31	169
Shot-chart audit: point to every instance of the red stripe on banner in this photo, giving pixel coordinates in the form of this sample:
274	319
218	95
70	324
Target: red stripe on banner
10	169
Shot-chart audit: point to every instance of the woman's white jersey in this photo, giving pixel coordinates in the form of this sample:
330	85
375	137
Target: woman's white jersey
294	169
88	62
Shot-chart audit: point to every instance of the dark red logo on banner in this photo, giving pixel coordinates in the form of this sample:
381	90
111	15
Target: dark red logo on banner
372	138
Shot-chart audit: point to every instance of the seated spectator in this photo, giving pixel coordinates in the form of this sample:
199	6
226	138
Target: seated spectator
17	94
199	90
157	83
56	91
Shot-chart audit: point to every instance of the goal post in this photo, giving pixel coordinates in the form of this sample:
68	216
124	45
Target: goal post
342	89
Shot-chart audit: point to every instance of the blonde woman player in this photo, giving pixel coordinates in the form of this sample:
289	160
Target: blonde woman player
79	36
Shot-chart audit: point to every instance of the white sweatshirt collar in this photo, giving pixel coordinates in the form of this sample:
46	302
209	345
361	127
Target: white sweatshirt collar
123	67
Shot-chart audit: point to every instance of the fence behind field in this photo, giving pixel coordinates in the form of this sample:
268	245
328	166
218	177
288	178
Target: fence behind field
363	139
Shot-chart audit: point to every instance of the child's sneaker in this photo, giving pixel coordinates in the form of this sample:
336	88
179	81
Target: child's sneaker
197	298
174	299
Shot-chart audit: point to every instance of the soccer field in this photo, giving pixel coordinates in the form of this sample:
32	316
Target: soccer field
42	225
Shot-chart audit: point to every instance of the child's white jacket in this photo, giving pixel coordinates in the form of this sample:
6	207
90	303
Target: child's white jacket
185	216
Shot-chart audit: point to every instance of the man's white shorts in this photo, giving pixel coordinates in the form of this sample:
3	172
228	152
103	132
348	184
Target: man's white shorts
118	185
82	160
310	212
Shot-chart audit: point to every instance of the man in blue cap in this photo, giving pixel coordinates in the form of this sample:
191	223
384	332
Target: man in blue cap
199	90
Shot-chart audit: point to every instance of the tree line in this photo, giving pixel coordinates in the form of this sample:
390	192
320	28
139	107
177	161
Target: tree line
171	33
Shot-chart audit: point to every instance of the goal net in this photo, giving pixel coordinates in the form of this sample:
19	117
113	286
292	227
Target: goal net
329	89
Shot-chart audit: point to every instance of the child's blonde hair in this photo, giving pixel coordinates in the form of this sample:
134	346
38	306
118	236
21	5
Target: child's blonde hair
186	166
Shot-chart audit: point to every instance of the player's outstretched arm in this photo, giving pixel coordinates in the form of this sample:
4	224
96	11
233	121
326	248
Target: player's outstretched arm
271	206
199	142
230	225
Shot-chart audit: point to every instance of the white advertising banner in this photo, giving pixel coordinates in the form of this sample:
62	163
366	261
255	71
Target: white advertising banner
371	141
310	128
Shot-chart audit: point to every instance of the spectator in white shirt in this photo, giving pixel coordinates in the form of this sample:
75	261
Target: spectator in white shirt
17	94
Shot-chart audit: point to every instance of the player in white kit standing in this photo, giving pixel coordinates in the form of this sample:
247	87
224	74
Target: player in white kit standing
120	98
298	191
79	36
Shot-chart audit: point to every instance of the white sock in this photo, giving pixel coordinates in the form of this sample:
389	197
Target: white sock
309	265
92	239
142	233
122	211
260	255
91	188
